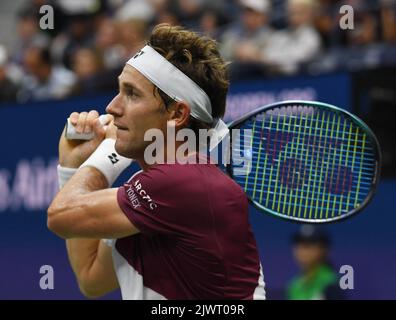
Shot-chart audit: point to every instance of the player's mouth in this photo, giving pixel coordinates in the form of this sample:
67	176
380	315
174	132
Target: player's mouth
120	127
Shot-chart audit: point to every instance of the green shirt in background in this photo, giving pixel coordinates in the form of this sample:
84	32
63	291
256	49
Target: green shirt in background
313	287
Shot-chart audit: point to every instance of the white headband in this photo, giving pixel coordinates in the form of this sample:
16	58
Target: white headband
177	86
173	82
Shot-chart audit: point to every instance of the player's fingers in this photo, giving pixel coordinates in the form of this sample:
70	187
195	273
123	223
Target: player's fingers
91	117
82	117
98	129
108	118
74	118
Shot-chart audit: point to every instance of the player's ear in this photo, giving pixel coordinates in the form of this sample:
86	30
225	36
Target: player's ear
180	114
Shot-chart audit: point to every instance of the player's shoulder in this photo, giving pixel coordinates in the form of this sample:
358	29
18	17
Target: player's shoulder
175	173
189	177
193	167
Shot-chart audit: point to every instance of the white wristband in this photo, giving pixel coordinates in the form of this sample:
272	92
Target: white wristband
108	161
64	174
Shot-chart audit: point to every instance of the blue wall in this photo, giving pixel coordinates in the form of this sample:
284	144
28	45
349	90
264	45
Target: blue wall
28	182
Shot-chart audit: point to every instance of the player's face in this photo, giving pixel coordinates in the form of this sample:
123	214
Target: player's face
136	109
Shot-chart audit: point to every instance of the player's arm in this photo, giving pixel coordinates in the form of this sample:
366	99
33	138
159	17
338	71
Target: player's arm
79	212
83	210
92	263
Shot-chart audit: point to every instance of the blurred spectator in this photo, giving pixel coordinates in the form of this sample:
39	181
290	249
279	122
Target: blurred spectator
87	63
326	21
77	35
189	11
28	34
107	44
318	279
74	7
91	76
8	89
299	43
212	23
136	9
366	27
388	15
44	80
79	21
244	42
132	36
168	16
33	6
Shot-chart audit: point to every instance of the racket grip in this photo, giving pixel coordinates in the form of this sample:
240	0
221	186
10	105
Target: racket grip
71	134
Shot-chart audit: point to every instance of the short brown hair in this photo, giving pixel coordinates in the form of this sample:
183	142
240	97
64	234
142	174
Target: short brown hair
196	56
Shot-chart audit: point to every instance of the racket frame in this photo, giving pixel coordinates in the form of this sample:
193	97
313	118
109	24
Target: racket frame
370	135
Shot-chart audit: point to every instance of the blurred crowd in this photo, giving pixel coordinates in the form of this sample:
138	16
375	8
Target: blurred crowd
92	39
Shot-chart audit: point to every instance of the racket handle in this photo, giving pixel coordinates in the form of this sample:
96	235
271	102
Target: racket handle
71	134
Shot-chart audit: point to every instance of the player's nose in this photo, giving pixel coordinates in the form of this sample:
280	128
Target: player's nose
115	107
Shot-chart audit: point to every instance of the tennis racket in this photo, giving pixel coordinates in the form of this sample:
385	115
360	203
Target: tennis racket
306	161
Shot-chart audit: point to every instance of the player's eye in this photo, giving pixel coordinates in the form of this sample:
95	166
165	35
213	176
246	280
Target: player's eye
130	93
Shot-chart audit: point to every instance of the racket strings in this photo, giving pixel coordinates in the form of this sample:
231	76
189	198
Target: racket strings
306	162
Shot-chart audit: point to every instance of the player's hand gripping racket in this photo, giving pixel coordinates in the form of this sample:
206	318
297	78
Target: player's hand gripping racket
307	161
72	134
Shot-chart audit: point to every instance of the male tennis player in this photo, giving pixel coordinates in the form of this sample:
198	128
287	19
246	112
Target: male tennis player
181	230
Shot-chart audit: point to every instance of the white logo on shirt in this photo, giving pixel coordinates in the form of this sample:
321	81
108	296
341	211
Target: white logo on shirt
145	196
133	198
